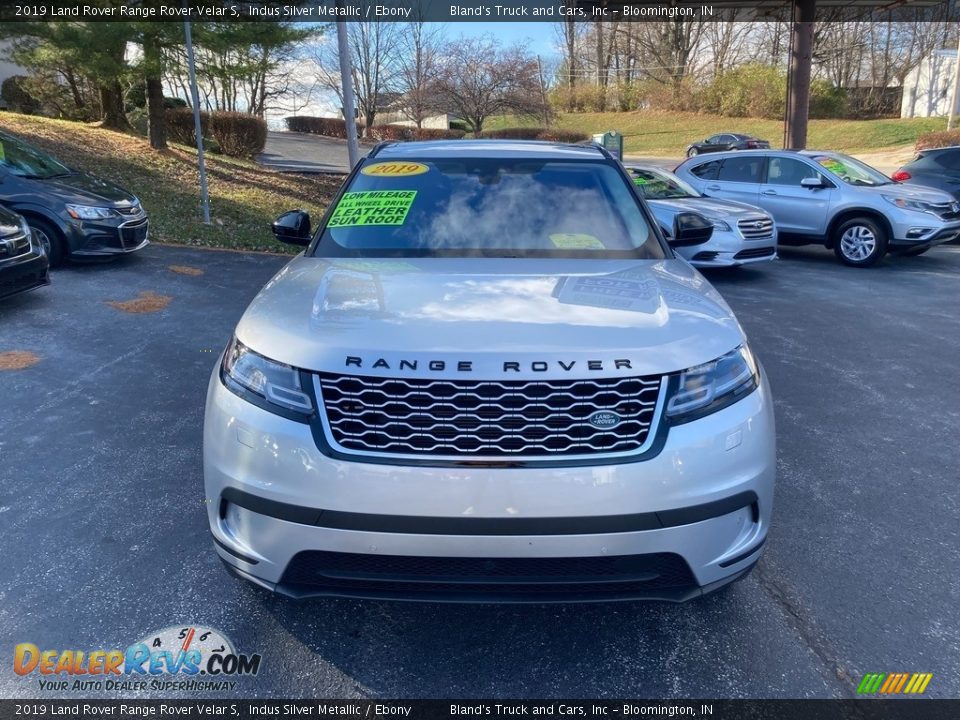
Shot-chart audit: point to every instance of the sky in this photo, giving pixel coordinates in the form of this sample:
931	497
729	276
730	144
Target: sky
538	38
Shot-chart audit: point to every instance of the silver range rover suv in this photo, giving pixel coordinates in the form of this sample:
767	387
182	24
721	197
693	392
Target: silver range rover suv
488	378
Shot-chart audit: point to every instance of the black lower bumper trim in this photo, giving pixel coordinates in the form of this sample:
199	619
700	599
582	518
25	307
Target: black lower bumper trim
417	525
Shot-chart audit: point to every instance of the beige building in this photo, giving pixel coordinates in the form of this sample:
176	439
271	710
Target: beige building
928	88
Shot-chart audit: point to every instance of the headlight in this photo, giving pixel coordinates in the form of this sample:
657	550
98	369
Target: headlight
273	383
89	212
706	388
904	204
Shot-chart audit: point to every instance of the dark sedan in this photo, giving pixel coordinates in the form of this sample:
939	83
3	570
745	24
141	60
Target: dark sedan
73	214
937	168
23	262
727	141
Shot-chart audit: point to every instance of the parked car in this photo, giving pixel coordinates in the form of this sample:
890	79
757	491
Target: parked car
23	261
831	199
726	141
488	378
937	168
74	214
742	234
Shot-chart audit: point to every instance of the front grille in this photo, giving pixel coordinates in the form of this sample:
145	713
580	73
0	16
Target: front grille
336	573
946	211
14	247
756	228
129	211
133	233
475	418
754	253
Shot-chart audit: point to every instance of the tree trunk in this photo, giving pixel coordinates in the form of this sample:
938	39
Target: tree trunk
153	67
156	120
111	104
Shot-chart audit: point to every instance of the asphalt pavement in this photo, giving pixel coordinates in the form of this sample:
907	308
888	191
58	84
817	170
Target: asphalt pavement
103	531
306	153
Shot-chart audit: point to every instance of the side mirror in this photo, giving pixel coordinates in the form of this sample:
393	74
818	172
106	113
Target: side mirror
690	229
293	228
811	183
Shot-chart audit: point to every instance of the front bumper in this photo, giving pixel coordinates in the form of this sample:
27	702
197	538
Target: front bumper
107	238
24	273
730	249
911	232
672	527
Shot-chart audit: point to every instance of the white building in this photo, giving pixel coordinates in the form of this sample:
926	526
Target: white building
928	88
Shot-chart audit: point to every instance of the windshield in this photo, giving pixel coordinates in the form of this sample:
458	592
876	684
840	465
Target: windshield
659	185
25	161
489	208
852	172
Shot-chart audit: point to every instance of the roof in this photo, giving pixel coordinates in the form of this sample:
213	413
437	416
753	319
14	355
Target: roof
533	149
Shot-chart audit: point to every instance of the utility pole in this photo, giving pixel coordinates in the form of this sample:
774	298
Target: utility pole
346	83
195	97
955	95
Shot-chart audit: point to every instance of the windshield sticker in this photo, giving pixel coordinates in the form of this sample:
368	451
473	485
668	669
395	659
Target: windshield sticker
834	166
575	241
372	207
639	181
395	169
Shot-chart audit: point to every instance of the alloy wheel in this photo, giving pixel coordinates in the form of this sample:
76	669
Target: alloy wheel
858	242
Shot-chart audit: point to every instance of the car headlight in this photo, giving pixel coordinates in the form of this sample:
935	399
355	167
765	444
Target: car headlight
706	388
89	212
718	224
270	382
905	204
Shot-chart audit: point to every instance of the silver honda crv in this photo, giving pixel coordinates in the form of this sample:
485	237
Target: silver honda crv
488	378
831	199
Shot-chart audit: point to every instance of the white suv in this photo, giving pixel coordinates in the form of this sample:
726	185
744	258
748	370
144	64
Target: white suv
488	378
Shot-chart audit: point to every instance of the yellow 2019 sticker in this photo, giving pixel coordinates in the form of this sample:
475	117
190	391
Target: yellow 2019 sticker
395	169
575	241
372	207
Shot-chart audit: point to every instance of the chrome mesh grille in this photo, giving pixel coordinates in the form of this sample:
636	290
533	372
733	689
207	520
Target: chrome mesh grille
475	418
756	228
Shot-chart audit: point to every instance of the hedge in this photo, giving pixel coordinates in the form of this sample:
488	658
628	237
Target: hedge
536	133
331	127
939	139
403	132
238	134
180	125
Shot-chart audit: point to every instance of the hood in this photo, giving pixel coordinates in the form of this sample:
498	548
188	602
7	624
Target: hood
582	318
911	192
709	207
83	189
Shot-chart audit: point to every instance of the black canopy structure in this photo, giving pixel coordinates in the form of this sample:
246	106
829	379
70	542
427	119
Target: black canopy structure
802	14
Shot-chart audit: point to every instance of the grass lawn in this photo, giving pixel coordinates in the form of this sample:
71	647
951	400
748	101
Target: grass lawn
244	197
668	133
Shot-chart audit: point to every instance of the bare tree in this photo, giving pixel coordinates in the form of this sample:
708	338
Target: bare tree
570	32
374	48
479	79
418	64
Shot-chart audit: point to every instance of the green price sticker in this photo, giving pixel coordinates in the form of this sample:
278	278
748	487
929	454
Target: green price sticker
372	207
575	241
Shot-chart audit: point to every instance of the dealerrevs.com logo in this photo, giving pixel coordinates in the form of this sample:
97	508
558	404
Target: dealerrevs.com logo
176	658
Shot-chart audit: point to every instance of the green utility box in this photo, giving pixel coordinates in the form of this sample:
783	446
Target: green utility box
612	141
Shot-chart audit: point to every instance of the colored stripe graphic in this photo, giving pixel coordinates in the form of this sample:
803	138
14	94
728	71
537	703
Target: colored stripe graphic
894	683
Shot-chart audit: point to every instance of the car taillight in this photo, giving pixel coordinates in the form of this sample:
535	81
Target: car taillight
751	144
901	176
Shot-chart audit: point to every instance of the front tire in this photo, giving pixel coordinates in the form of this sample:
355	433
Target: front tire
51	240
860	242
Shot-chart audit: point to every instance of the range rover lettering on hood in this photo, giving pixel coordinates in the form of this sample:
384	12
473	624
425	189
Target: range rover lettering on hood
467	365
